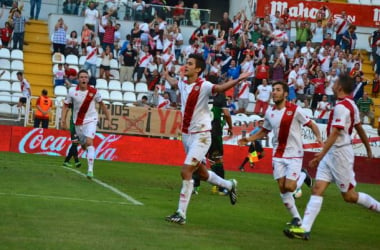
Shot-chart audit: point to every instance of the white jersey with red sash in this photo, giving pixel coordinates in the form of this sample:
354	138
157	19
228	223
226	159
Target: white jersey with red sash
324	110
91	54
196	115
244	90
344	116
84	110
286	125
341	26
145	59
237	27
168	60
163	103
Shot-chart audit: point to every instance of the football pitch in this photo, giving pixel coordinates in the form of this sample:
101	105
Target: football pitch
46	206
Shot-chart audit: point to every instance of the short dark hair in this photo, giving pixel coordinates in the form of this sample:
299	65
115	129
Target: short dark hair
284	85
82	71
44	92
199	61
19	73
347	83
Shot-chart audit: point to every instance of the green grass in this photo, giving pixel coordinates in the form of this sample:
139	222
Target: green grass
44	206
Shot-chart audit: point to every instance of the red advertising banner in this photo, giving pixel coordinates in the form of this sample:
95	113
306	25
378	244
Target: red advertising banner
126	148
360	15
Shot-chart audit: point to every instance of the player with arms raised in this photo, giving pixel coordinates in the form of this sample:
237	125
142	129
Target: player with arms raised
196	127
85	116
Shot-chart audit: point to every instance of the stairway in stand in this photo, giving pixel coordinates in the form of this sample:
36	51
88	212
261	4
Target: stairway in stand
369	76
37	57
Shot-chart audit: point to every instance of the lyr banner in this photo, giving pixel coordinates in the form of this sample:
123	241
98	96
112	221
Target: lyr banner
141	121
360	15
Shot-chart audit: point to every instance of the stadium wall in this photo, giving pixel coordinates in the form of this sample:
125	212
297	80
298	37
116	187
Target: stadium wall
147	150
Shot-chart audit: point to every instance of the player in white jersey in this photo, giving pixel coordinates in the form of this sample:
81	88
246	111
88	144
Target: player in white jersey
196	131
336	160
85	116
285	120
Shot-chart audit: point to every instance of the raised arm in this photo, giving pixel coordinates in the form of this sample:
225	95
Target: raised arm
172	81
231	83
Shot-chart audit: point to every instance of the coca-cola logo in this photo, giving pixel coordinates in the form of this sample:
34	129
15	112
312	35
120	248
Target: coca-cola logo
40	141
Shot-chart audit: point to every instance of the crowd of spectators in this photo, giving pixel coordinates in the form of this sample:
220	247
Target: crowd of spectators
309	58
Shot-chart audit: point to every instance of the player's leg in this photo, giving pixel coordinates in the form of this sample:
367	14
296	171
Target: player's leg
286	172
215	155
323	178
89	131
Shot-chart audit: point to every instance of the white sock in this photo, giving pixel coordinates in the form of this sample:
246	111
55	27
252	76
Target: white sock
290	204
218	181
368	202
90	158
185	195
312	210
301	179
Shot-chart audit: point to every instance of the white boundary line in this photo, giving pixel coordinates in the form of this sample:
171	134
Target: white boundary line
109	187
62	198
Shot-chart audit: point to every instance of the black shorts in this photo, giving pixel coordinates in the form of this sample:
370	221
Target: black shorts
22	100
105	67
215	151
256	146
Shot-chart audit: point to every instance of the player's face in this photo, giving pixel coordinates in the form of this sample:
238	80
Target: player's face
83	79
191	68
278	94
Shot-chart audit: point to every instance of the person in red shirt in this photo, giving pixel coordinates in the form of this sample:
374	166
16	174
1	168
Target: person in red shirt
262	71
319	89
179	12
6	34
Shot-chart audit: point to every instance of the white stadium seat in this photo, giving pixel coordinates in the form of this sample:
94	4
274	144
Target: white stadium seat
16	97
114	85
58	58
101	84
129	97
5	53
141	87
116	96
16	87
60	91
104	94
5	97
17	65
5	64
72	60
128	86
5	86
17	54
6	76
114	64
5	108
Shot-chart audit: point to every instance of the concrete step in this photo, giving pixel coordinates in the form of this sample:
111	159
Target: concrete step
37	48
36	27
35	68
30	57
33	37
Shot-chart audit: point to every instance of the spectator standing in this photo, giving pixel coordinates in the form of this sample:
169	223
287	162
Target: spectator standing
323	109
263	97
195	16
376	86
109	36
59	36
91	16
72	44
341	25
358	88
225	24
366	108
349	39
91	57
372	40
6	34
319	89
128	61
43	107
87	36
105	67
25	90
330	80
179	12
18	30
35	5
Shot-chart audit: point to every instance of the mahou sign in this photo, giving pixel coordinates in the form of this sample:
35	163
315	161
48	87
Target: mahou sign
360	15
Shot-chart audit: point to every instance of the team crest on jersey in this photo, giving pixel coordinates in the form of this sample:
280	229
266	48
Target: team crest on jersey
196	88
289	113
337	120
76	94
91	94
